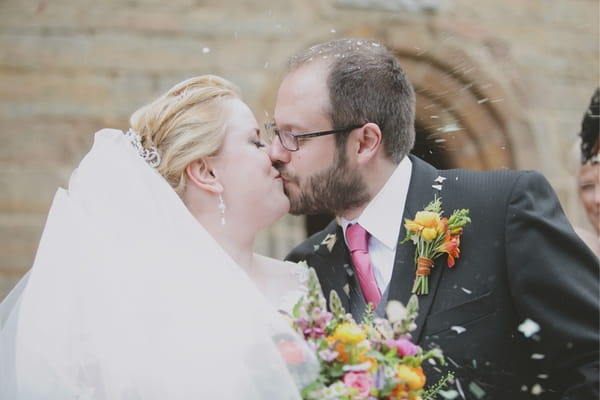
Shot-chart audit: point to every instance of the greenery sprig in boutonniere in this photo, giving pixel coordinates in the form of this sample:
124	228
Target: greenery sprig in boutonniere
434	235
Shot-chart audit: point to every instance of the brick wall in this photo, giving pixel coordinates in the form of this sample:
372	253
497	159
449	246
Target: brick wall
70	68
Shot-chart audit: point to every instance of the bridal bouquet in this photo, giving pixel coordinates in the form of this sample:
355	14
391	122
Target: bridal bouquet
372	360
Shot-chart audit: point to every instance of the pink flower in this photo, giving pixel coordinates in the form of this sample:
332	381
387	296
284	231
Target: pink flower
360	381
314	333
404	347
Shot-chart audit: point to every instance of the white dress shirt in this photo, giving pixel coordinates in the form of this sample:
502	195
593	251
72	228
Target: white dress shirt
382	218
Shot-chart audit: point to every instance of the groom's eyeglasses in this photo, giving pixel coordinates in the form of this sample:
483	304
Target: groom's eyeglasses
289	140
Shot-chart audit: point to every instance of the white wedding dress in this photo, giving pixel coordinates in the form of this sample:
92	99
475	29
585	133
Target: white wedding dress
130	298
287	301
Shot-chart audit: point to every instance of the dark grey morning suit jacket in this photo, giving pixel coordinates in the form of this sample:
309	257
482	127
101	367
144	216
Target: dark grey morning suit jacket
520	259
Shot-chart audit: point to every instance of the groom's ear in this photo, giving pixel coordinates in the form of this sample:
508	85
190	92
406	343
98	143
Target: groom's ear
366	142
201	175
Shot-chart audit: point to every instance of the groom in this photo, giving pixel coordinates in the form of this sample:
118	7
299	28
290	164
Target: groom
517	314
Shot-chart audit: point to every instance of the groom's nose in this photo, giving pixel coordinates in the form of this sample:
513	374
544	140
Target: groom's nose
279	154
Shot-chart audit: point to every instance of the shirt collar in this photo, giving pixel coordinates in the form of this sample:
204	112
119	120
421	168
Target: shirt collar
382	217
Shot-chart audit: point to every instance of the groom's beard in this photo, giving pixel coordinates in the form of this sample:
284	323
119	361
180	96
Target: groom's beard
332	191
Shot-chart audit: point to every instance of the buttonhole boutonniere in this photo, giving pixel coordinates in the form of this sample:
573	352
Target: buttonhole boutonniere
434	235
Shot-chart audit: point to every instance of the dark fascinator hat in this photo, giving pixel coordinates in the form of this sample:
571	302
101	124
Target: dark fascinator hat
590	131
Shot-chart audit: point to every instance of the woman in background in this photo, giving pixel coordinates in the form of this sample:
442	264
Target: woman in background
588	173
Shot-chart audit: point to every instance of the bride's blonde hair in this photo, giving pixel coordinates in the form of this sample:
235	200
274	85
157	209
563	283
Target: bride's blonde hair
186	123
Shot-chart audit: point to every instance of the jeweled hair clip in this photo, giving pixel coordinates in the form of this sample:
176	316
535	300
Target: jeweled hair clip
149	155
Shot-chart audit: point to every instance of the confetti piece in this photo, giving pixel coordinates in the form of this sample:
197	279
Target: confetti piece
437	187
458	329
439	179
448	394
467	291
460	390
476	390
529	327
537	356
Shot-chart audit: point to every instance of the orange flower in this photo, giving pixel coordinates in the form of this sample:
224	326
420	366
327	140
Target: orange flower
362	358
343	355
451	247
400	392
413	377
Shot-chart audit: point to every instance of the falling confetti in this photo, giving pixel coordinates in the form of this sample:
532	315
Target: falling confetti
206	50
529	328
476	390
536	390
467	291
437	187
439	179
450	128
460	390
537	356
448	394
458	329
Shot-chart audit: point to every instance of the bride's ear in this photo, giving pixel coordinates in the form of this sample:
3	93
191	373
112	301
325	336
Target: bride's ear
201	175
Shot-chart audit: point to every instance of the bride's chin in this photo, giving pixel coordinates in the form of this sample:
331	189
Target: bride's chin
280	209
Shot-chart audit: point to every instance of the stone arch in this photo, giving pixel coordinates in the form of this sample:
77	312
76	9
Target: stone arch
461	120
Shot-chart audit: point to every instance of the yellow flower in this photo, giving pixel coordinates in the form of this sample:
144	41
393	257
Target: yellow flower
413	377
411	225
428	219
427	223
429	234
349	333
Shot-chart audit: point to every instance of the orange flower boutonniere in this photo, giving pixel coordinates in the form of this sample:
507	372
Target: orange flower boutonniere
434	235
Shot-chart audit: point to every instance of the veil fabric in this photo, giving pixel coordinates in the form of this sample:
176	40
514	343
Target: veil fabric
130	298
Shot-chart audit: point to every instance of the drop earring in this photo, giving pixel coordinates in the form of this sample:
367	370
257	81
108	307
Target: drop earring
221	208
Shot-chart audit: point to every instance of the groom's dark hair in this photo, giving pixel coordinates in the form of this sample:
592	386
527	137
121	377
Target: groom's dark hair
366	84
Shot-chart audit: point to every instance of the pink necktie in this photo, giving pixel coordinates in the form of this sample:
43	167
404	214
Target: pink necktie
358	239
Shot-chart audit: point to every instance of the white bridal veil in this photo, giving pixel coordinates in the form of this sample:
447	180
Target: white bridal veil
130	298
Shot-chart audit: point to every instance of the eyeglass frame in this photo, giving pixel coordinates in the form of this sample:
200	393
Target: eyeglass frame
271	127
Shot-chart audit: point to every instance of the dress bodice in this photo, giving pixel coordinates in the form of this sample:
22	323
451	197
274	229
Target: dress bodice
285	302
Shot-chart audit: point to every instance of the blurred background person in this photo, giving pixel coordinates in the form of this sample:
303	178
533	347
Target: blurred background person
588	172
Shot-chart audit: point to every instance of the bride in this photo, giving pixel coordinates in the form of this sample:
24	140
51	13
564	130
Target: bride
145	285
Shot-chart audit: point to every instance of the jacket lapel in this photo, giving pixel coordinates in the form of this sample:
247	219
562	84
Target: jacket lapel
420	193
328	265
345	284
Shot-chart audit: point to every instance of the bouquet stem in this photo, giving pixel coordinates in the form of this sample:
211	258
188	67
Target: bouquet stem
421	285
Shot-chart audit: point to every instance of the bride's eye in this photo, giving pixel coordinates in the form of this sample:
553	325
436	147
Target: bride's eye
258	144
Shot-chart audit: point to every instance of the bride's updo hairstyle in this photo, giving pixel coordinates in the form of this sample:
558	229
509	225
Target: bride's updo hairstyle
185	124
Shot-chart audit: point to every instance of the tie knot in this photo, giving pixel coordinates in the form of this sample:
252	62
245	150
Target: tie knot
358	238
